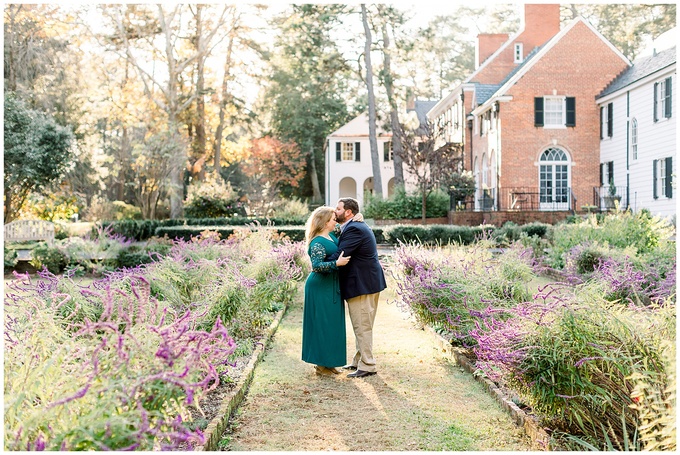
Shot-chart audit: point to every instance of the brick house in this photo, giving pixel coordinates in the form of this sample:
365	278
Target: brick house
638	137
527	116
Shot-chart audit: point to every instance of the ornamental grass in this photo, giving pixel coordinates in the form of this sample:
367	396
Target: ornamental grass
593	357
118	363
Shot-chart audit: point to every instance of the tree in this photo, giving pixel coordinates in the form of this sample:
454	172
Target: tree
273	164
627	26
427	162
390	15
164	89
308	95
36	153
154	160
372	129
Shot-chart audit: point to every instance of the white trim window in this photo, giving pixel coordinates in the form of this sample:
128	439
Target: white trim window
663	99
554	178
607	121
348	151
519	52
388	151
663	177
554	111
634	139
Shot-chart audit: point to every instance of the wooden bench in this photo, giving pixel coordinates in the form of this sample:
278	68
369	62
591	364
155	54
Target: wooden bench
25	230
28	230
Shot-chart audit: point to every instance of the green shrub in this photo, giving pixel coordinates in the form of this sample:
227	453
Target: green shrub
46	256
640	231
11	258
435	234
212	198
407	206
142	254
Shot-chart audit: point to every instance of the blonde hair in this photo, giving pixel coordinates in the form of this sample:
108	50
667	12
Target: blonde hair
317	221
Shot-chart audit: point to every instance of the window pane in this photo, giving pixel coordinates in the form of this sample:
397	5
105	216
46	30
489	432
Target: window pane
553	111
348	151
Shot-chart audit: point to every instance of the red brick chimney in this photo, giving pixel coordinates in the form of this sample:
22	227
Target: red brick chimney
487	44
540	23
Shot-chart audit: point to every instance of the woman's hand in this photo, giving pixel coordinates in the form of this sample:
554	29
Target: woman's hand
358	217
342	260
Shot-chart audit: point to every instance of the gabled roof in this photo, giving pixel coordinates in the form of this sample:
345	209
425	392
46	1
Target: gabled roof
641	68
484	91
522	69
422	108
357	127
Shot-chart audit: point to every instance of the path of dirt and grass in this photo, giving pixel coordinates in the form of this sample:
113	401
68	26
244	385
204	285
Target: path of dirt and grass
417	401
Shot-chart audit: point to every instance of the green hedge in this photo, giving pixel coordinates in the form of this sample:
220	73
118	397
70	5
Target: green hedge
144	229
294	228
434	234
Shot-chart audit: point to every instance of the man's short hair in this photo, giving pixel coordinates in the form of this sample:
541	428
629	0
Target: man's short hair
350	204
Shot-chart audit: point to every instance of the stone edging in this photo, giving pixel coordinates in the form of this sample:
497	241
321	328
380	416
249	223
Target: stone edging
540	439
232	401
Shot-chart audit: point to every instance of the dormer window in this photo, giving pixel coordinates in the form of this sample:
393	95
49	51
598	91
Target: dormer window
519	52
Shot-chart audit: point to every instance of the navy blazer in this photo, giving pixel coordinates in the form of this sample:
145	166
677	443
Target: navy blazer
363	274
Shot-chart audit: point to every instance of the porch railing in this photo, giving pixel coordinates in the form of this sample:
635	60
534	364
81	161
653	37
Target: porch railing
605	197
519	199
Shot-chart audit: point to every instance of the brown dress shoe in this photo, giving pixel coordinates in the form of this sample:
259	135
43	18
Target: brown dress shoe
334	370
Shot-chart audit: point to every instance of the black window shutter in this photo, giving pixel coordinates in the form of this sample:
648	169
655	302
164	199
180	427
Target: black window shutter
538	111
571	111
669	97
601	174
601	124
656	196
610	171
669	177
386	151
357	151
610	119
656	101
338	151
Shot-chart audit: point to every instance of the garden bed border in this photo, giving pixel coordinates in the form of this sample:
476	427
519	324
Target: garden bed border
539	438
233	400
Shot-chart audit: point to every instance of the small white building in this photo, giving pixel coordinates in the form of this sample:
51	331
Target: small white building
349	171
638	136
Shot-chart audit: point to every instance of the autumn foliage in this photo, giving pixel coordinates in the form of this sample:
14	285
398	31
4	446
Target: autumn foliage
273	163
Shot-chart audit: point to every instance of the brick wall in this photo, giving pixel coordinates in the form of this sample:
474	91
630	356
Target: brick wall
541	22
564	71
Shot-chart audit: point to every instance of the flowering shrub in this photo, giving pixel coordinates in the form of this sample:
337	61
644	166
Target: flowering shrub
120	363
212	198
641	232
453	288
119	381
573	358
590	356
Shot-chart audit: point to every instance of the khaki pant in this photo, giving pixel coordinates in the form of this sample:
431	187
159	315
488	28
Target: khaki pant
362	311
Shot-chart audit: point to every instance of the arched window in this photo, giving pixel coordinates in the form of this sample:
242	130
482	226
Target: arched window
634	139
554	179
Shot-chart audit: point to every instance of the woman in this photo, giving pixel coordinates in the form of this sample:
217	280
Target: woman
323	320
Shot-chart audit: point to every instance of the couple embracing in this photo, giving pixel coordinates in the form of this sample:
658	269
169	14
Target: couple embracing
344	269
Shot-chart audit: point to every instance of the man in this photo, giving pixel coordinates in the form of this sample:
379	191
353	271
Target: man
361	281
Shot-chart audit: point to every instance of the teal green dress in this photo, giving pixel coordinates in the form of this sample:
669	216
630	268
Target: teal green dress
323	320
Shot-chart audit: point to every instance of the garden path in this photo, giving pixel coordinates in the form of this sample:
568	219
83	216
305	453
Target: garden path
417	401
